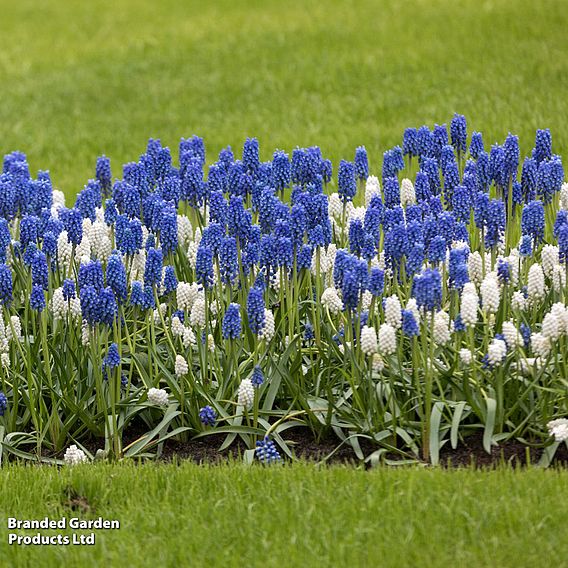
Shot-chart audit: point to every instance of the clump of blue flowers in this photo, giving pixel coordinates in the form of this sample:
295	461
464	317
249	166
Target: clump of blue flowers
279	288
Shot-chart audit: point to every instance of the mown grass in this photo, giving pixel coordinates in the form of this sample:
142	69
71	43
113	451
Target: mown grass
78	79
294	516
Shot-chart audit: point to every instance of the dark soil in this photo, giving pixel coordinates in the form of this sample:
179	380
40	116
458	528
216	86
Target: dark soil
469	453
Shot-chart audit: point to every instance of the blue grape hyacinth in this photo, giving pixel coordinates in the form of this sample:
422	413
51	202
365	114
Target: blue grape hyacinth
266	451
208	416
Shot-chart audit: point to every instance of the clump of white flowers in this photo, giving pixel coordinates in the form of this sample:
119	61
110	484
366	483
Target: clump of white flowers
181	366
369	343
74	455
372	188
559	429
465	356
330	299
393	311
496	352
469	306
541	345
387	339
378	363
490	293
512	336
442	328
536	288
407	194
268	330
157	397
245	394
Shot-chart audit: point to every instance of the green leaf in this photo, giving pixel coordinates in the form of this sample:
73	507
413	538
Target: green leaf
456	423
489	424
142	442
435	419
548	455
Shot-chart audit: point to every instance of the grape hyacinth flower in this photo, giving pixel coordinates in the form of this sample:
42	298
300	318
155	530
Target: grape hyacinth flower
257	377
409	325
266	451
427	289
409	142
476	145
37	298
74	456
347	185
361	163
208	416
532	221
558	429
255	310
157	397
245	394
458	133
232	324
112	358
6	285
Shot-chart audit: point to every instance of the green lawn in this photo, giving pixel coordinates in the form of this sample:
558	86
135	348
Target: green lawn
78	79
295	516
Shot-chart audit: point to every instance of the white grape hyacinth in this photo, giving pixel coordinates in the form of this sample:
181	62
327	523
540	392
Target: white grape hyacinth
441	328
549	258
469	307
496	352
85	333
157	397
372	188
185	295
512	335
184	230
540	345
178	328
490	294
74	455
335	206
269	328
518	301
551	327
393	311
558	278
330	299
465	356
181	367
58	304
407	194
387	339
64	249
559	429
188	338
535	285
369	343
378	363
560	311
245	394
197	317
564	196
475	267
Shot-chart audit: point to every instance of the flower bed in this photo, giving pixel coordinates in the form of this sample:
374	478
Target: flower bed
401	315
